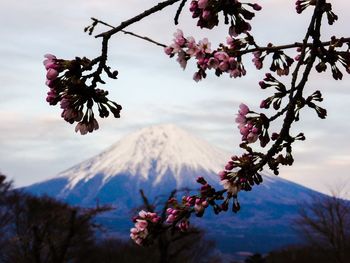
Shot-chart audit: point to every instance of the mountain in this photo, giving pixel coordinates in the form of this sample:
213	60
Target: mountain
154	158
161	158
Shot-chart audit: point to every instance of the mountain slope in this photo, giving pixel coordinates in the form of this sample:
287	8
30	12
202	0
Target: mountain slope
161	158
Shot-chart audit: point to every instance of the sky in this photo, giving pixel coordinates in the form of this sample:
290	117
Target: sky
36	144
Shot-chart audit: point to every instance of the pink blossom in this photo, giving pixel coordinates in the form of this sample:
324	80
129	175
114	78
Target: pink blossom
230	41
134	230
229	166
255	130
50	56
171	218
93	125
141	224
258	63
233	62
222	175
252	137
141	230
223	66
184	225
230	186
193	6
65	103
197	76
155	219
257	7
263	104
182	59
239	70
202	4
52	65
232	31
221	55
243	109
143	214
203	62
71	115
138	235
179	37
198	208
244	130
51	96
49	83
82	128
51	74
240	119
206	14
257	54
192	46
234	158
204	45
176	48
213	63
235	73
49	59
168	50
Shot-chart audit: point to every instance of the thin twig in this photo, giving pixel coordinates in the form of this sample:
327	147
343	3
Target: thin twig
137	18
288	46
148	206
130	33
178	12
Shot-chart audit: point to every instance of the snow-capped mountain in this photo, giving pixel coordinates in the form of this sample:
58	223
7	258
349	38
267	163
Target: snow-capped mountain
154	158
158	149
161	158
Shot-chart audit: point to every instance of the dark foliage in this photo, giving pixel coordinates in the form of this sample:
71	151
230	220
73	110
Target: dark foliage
191	249
42	229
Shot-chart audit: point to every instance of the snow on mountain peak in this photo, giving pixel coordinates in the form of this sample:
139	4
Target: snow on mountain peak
160	148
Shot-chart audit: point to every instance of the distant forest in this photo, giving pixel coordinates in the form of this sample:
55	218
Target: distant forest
44	230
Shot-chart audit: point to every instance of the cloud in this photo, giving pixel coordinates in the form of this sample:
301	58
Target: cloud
36	143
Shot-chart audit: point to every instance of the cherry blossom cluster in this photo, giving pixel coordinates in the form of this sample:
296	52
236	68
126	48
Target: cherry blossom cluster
53	68
281	63
316	96
231	184
301	5
178	212
176	215
68	86
235	13
271	82
144	224
224	59
248	128
333	56
236	177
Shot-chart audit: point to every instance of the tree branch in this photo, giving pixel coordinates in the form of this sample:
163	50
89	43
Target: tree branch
137	18
130	33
